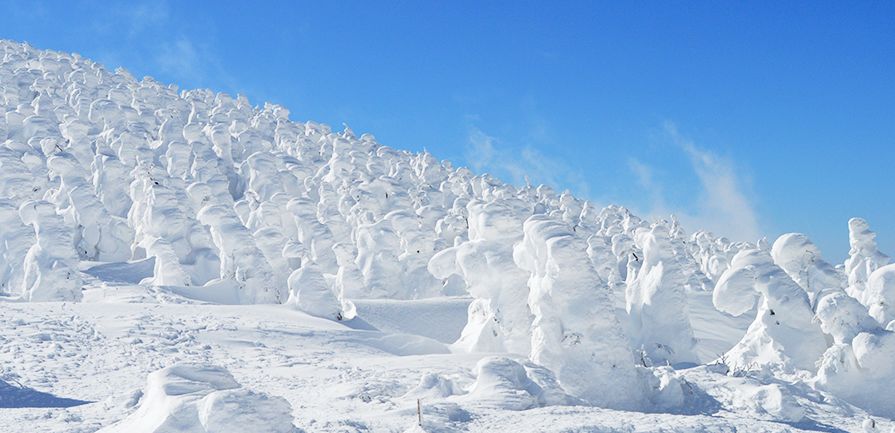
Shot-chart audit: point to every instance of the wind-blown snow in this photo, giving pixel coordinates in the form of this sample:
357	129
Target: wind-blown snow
160	247
189	398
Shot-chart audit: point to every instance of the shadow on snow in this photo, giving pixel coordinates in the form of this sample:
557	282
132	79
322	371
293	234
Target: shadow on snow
13	396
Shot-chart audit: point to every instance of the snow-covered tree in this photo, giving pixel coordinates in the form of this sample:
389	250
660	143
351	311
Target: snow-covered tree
575	331
783	334
656	301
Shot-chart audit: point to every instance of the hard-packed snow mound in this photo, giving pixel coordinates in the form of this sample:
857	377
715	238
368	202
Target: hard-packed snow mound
434	386
504	383
192	398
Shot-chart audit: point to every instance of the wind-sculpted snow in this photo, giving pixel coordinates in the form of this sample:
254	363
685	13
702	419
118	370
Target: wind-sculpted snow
802	261
507	384
103	175
656	300
500	317
864	258
50	266
575	331
880	295
783	334
189	398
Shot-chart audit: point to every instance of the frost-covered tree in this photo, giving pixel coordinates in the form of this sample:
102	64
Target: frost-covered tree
15	240
98	235
783	335
241	260
880	295
656	300
51	264
863	258
802	261
309	291
861	371
575	331
499	317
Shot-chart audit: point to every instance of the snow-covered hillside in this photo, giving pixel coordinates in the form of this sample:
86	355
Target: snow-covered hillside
183	261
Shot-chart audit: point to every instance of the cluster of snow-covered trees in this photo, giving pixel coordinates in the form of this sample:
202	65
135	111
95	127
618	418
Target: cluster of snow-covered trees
242	202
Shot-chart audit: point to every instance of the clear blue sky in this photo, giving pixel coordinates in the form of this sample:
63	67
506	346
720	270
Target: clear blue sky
744	117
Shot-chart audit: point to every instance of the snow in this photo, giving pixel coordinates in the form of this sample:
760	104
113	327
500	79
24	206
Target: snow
503	383
193	398
575	331
784	334
656	301
880	295
181	260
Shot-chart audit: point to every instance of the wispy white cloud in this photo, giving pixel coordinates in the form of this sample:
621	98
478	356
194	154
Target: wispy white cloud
485	154
180	58
139	17
169	46
646	179
722	205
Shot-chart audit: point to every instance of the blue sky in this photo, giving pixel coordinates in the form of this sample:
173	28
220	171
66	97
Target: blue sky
745	118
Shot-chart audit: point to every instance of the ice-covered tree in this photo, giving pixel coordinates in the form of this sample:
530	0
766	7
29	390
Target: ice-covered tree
575	331
863	258
51	264
783	335
656	300
499	317
15	240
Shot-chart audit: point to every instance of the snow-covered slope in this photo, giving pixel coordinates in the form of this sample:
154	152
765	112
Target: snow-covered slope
185	261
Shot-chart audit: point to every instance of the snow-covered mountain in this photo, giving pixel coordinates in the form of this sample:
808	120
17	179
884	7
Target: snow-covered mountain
186	261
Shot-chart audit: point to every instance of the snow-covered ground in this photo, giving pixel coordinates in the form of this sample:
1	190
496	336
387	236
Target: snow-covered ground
339	377
183	261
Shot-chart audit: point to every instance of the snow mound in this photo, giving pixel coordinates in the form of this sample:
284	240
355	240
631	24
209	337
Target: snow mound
503	383
434	386
193	398
862	372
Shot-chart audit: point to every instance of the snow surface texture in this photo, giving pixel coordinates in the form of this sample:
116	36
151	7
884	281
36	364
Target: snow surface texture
161	247
190	398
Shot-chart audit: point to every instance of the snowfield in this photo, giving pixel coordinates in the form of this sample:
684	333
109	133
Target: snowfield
183	261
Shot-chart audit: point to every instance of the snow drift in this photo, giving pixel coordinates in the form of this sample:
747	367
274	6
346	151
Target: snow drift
189	398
